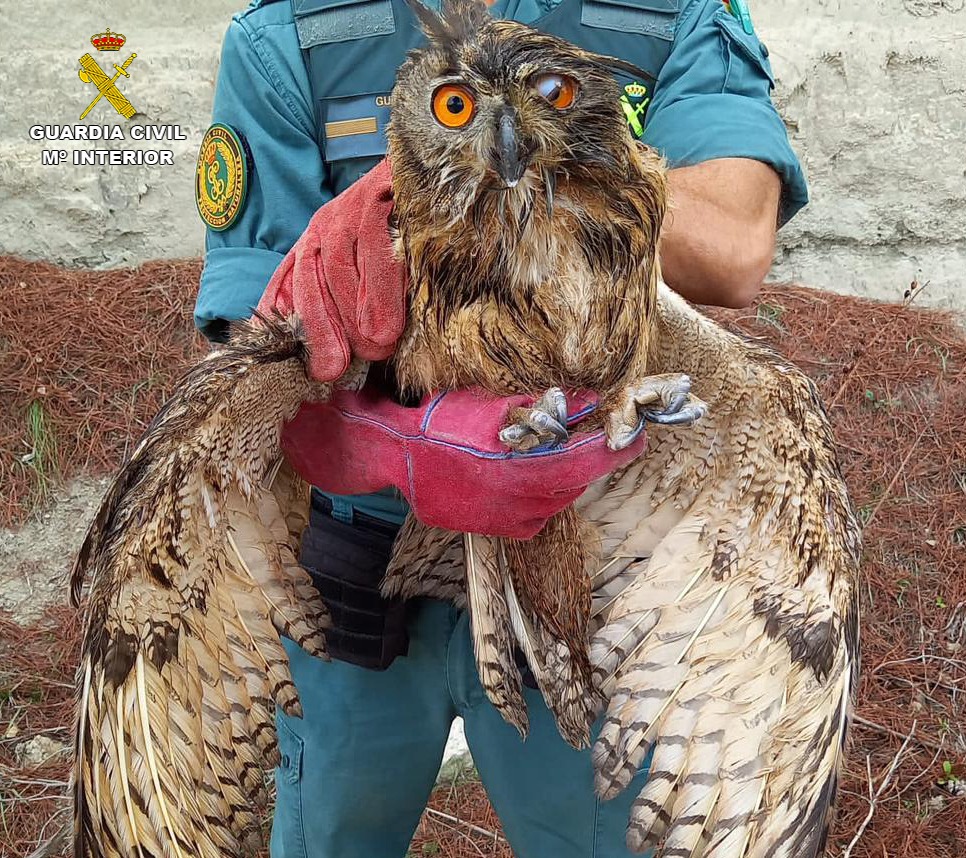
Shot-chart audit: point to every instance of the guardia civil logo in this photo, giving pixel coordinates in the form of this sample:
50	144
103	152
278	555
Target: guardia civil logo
634	102
221	177
91	72
97	124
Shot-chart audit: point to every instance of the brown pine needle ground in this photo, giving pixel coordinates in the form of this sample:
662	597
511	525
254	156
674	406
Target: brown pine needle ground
85	359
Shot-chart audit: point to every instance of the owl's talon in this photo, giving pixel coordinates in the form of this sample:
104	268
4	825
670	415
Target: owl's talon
685	416
554	402
541	424
675	406
623	436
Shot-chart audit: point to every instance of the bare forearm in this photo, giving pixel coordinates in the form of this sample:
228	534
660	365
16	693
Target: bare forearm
719	235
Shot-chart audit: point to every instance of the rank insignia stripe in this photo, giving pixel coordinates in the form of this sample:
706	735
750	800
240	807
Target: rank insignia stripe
354	126
350	127
221	177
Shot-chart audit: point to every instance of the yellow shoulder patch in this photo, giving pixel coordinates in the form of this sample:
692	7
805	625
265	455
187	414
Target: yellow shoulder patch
221	177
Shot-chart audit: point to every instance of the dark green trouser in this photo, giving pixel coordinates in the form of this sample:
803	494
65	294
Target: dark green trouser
357	770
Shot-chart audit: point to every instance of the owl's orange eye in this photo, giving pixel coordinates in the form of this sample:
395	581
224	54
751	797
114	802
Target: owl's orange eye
453	105
558	89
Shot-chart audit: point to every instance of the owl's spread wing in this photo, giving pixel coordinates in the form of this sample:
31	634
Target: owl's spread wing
193	578
717	651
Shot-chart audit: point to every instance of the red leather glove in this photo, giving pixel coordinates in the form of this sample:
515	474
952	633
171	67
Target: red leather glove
342	279
447	459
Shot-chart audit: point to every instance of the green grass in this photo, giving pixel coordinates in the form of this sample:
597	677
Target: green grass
42	458
877	402
771	314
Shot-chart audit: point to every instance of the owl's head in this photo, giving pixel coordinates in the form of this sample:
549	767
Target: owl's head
493	108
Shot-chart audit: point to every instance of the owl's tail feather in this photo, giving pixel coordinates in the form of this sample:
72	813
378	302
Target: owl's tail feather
492	629
572	700
551	582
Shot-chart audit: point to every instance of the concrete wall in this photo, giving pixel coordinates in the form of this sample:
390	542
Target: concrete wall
874	96
104	216
873	91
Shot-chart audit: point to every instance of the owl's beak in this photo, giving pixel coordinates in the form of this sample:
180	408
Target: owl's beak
510	158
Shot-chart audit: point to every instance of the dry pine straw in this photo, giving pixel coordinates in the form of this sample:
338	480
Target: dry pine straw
92	353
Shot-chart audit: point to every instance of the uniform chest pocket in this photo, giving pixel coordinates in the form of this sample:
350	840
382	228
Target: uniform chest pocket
642	17
353	135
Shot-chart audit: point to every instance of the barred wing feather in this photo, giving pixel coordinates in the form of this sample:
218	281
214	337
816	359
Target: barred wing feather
726	636
193	577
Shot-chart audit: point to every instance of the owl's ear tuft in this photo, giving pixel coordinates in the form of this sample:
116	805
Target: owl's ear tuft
432	24
459	22
465	17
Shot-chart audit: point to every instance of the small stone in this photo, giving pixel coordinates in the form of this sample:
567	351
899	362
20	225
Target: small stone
955	787
39	750
12	731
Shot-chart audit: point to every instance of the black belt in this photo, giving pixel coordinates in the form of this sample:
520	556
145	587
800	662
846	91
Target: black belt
372	523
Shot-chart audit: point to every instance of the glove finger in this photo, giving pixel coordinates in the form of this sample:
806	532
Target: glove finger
277	296
378	182
372	320
381	300
329	349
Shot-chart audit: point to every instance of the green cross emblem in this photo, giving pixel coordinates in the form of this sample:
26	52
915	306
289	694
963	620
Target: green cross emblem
634	102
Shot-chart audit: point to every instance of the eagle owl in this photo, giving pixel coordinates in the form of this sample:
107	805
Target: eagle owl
708	600
530	219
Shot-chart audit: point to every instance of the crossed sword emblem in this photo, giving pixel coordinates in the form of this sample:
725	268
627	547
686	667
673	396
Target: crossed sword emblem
634	113
91	72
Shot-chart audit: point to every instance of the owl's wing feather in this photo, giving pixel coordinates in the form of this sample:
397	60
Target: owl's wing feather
738	676
193	578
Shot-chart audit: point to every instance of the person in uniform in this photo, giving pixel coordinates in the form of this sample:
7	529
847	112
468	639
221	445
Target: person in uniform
301	105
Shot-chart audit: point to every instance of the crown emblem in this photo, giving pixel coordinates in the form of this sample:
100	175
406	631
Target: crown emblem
635	90
108	41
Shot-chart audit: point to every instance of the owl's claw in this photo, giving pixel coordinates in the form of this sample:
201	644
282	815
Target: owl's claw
541	424
662	399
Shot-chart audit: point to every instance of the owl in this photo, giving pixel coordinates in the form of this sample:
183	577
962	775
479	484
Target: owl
529	217
704	596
